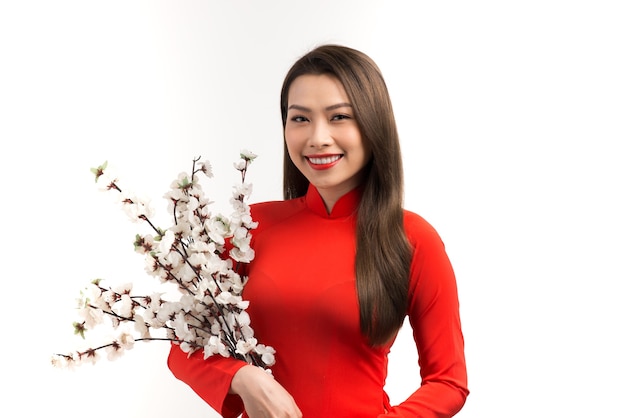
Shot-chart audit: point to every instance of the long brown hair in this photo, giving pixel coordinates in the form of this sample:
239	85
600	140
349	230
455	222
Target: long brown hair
383	254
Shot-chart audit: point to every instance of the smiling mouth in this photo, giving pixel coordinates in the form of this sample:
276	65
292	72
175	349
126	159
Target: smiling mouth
324	160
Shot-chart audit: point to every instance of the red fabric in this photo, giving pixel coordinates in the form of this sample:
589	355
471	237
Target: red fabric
303	302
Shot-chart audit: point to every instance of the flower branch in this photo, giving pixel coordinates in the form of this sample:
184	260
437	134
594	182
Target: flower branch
202	254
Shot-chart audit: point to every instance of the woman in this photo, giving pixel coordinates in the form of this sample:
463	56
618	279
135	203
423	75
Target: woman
339	265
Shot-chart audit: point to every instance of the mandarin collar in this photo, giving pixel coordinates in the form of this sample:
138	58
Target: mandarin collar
345	206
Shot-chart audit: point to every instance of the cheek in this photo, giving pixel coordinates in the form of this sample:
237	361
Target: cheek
293	141
292	149
359	147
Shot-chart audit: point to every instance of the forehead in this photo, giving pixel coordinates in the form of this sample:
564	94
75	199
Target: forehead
324	89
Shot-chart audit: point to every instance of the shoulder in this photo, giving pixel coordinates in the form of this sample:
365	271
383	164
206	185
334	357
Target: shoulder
431	268
419	231
273	212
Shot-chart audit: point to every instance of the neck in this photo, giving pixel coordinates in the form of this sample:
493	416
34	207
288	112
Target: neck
331	196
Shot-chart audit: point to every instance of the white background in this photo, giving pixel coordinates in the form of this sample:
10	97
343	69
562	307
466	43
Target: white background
512	117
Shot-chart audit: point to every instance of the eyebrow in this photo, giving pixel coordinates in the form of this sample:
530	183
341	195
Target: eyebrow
306	109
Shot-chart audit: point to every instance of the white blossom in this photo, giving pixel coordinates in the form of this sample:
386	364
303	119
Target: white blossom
187	302
60	361
206	168
208	310
215	345
126	340
151	266
240	165
243	255
91	316
156	300
114	350
124	288
267	354
244	189
108	177
247	155
137	208
226	298
174	259
125	306
145	244
197	260
140	326
167	240
181	328
218	229
244	347
247	331
90	294
109	296
243	318
89	356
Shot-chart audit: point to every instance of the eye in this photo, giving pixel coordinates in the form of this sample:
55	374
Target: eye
298	119
341	116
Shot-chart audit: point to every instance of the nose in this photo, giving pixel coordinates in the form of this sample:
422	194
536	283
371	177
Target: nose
320	135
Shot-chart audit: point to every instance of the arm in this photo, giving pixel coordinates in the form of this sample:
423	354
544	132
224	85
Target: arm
262	395
434	317
228	385
210	378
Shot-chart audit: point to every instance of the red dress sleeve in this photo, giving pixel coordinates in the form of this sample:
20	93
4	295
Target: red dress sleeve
210	379
435	320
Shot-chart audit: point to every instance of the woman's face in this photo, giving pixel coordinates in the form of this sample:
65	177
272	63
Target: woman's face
322	136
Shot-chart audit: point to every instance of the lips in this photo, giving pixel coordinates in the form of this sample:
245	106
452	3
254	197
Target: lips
323	162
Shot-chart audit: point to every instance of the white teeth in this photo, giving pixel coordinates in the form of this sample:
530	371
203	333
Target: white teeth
325	160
